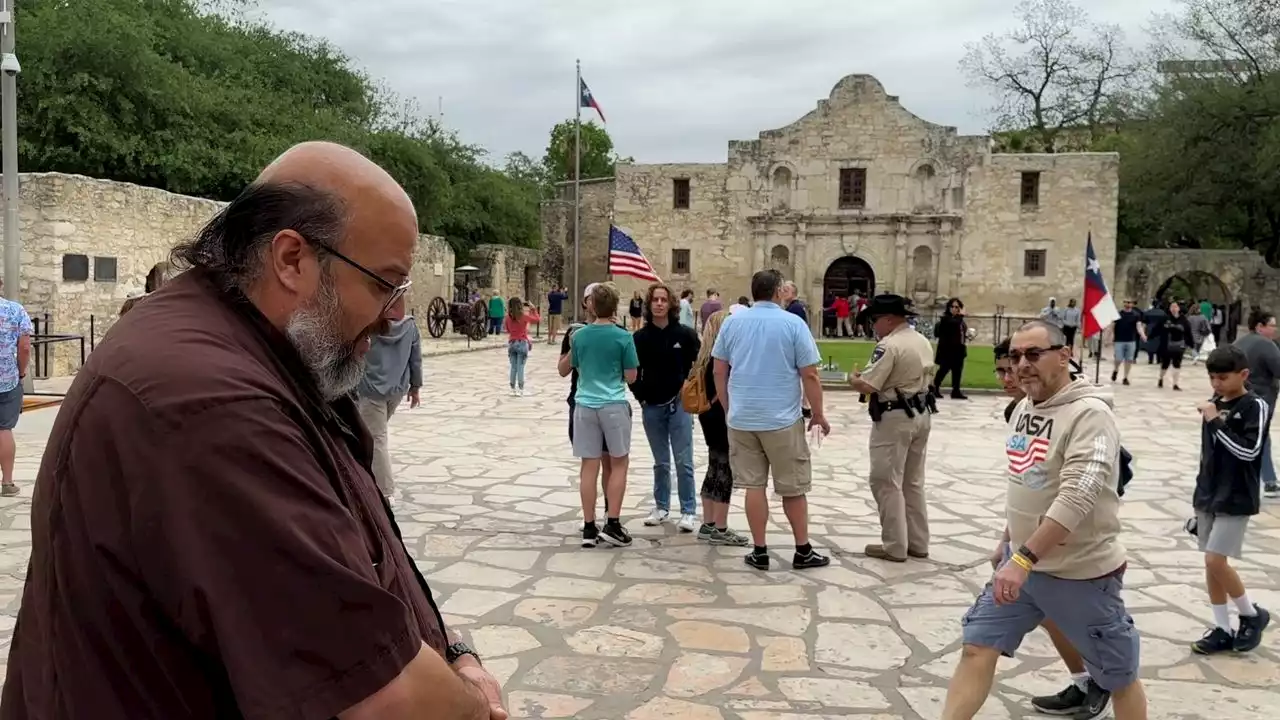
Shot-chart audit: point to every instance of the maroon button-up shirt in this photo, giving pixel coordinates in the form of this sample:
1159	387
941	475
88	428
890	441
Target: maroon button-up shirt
208	538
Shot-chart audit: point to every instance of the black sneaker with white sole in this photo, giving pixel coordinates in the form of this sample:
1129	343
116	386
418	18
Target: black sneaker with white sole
1066	702
812	560
1249	634
590	535
1096	702
1272	491
615	535
1215	641
759	562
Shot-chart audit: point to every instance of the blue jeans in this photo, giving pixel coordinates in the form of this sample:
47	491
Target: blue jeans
517	355
670	432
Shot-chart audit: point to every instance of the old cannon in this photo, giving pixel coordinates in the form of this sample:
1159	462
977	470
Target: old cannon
468	318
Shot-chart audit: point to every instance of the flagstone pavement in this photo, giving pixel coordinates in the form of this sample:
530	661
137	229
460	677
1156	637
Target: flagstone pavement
670	628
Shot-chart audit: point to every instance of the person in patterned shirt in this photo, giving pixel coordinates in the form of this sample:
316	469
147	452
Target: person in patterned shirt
15	352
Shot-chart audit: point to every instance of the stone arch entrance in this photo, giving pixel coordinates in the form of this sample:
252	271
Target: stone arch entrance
1194	286
847	275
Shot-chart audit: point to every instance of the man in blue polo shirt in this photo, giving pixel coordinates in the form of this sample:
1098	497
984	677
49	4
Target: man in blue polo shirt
763	356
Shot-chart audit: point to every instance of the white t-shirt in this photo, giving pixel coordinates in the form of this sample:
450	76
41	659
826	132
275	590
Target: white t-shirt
736	307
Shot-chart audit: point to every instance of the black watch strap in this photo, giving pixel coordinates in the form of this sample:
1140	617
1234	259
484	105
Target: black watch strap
457	650
1025	552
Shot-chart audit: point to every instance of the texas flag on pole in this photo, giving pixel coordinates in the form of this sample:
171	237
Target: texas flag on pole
588	100
1099	307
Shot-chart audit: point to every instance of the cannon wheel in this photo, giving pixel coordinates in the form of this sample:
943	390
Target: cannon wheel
479	320
437	316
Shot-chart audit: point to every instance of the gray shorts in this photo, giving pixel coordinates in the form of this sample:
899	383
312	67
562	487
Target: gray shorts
10	407
1090	613
1221	534
595	429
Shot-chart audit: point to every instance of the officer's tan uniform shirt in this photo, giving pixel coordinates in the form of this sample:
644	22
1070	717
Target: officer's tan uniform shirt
903	360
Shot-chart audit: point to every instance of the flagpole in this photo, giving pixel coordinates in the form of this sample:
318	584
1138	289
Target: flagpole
577	181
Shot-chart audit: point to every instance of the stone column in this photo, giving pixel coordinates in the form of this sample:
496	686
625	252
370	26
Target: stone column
943	262
800	258
900	259
761	237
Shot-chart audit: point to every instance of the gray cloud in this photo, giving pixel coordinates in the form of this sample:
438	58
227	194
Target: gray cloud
677	79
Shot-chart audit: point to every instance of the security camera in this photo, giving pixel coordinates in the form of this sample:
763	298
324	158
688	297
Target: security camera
9	64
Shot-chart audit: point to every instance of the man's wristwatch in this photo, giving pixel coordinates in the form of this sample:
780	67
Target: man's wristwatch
1025	552
457	650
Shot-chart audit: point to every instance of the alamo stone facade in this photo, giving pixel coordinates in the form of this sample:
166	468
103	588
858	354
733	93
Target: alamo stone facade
859	194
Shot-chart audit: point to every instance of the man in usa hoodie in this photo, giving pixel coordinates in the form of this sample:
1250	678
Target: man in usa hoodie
1063	560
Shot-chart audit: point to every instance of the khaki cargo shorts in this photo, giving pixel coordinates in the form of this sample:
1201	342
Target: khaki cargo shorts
753	453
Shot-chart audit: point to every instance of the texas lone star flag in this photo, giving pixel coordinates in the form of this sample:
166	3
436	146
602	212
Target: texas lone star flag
1099	307
625	257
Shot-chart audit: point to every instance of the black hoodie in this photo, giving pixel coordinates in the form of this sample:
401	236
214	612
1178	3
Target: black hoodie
666	355
1231	457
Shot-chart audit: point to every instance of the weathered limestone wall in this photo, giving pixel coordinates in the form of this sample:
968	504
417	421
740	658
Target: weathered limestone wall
512	271
432	274
75	215
1079	194
596	215
137	226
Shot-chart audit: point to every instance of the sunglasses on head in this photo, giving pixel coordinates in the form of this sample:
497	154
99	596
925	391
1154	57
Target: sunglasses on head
1032	355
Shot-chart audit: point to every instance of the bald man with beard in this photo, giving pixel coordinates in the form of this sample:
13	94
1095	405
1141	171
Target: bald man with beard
208	539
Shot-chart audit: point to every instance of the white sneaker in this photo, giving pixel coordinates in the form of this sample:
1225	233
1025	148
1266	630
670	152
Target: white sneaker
519	392
688	523
657	517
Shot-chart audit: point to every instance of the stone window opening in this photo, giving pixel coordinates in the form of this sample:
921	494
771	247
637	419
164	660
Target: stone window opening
75	268
104	269
921	268
1035	263
782	188
924	188
680	193
853	188
780	260
1030	189
680	262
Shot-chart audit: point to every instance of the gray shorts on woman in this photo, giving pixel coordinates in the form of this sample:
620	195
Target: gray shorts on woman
594	429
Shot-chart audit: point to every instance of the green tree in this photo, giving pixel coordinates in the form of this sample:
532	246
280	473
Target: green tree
598	158
195	97
1202	169
1056	71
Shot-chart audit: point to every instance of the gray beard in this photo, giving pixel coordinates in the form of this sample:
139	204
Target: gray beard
315	331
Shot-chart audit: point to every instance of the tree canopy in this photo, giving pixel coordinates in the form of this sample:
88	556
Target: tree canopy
1195	117
193	97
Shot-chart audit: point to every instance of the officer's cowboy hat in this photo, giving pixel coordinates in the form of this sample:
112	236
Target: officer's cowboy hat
889	305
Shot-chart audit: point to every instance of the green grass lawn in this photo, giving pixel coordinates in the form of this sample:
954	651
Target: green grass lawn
979	367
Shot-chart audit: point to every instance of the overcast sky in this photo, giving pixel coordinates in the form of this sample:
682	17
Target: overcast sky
677	79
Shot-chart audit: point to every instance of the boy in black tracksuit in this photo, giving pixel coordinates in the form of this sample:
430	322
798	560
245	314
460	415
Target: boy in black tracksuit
1227	493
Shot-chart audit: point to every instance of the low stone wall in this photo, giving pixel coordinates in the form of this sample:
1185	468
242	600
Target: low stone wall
121	232
512	272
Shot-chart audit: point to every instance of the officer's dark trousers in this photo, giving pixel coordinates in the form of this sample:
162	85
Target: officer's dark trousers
898	448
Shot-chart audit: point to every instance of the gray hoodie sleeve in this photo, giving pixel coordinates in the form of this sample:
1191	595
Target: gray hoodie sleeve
415	360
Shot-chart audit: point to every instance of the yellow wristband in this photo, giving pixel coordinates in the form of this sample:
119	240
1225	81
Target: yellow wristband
1021	561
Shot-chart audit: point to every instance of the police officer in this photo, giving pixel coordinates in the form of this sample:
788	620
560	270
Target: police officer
896	383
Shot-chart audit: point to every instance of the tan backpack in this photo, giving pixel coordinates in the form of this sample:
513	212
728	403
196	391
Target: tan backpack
693	394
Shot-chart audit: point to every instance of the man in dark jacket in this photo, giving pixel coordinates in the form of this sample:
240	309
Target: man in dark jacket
1226	495
1259	346
666	349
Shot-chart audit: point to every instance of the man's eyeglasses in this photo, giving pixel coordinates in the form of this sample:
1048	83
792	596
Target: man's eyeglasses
1032	355
396	291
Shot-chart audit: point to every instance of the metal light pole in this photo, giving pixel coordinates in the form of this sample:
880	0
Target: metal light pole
9	70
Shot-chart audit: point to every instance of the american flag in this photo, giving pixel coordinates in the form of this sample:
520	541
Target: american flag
1025	452
625	257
